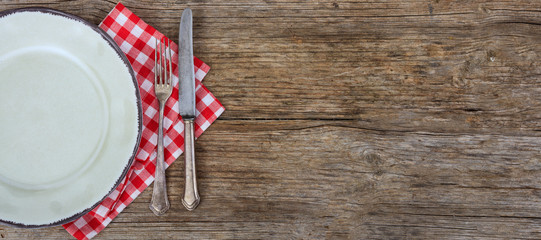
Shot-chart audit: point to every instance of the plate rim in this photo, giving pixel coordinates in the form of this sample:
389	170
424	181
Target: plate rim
126	62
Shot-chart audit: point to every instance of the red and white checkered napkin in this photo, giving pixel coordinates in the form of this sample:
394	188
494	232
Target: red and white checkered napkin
137	41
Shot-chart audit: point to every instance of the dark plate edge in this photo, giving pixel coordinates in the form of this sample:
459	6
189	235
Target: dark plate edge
119	52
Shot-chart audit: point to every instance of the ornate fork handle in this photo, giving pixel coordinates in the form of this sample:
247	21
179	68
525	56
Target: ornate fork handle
159	203
163	88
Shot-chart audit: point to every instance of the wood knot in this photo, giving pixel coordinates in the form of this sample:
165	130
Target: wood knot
372	158
335	5
484	10
466	71
460	82
375	161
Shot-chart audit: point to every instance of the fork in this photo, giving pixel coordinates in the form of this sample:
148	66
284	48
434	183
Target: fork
163	88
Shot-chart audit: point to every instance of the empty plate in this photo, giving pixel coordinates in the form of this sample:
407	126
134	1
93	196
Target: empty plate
71	117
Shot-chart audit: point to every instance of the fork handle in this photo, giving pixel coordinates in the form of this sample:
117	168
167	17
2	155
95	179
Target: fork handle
191	195
159	203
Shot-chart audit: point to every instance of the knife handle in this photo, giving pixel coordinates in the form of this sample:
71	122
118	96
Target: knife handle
191	195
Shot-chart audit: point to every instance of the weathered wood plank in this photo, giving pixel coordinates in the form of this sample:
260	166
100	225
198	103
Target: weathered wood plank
437	65
353	120
315	179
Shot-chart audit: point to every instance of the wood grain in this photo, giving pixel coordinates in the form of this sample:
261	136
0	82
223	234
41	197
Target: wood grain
411	119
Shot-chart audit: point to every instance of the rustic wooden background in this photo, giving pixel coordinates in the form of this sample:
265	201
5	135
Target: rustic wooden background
352	120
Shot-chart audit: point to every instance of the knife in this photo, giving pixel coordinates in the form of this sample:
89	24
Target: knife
187	107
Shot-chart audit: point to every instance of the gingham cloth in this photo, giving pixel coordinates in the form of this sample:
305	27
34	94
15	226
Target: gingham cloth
137	40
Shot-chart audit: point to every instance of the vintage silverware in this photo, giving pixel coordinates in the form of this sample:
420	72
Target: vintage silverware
187	107
163	88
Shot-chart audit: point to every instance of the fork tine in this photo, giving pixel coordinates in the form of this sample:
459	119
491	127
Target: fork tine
164	62
164	66
156	63
161	61
170	67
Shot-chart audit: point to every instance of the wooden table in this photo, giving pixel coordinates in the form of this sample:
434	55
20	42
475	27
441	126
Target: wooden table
352	120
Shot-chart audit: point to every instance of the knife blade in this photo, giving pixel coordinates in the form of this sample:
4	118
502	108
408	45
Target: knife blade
187	107
186	67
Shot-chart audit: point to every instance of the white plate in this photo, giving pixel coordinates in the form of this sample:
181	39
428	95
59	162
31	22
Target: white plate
70	117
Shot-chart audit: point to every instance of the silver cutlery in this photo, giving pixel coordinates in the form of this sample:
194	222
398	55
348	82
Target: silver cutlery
187	107
163	88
